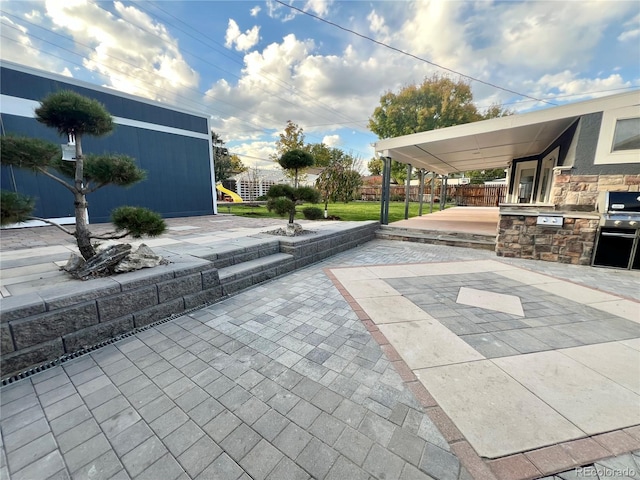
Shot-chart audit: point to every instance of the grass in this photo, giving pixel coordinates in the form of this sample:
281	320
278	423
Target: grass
352	211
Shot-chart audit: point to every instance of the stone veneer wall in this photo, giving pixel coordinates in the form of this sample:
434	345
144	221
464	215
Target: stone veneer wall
520	237
583	190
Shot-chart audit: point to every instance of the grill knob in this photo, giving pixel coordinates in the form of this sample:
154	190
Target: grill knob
633	223
617	222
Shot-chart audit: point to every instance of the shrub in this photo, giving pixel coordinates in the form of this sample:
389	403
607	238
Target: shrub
138	221
312	213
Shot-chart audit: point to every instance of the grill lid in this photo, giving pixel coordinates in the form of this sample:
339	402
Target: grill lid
619	202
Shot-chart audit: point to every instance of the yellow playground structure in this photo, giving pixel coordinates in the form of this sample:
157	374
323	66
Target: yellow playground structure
234	196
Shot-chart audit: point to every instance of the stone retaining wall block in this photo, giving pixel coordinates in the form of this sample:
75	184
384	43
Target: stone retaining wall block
159	312
97	333
127	302
179	287
46	326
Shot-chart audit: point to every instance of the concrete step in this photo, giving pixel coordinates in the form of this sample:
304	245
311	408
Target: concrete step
436	237
251	272
238	251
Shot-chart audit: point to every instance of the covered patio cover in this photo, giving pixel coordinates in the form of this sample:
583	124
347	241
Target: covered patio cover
490	143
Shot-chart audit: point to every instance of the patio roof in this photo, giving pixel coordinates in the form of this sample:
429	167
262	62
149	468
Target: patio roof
493	143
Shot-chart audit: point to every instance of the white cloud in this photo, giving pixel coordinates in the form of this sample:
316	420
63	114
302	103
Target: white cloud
255	10
331	140
568	84
319	7
242	41
376	24
18	47
155	68
280	12
629	35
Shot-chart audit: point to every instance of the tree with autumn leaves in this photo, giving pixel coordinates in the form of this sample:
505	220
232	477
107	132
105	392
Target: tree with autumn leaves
438	102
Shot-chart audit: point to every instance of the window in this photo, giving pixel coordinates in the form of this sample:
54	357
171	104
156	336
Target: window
524	179
627	135
619	139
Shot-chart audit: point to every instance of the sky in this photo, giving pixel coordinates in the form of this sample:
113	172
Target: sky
253	65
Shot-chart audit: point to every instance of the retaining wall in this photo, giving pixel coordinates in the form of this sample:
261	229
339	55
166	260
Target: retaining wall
44	326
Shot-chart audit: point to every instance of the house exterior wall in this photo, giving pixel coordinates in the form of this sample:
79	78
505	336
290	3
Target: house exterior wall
577	182
172	146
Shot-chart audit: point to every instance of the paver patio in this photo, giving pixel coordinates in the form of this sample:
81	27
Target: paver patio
286	380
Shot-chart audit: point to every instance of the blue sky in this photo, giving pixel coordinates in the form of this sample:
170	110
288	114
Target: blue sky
253	65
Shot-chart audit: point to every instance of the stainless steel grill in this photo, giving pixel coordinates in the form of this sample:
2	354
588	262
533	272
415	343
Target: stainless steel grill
619	231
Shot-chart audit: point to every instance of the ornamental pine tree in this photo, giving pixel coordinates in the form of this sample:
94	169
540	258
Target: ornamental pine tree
74	116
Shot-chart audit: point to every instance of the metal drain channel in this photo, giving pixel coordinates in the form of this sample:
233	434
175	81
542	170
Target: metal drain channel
84	351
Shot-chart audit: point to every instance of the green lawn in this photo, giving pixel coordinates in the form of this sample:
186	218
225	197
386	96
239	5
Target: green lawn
352	211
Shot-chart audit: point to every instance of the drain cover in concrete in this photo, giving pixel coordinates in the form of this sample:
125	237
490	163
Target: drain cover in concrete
490	300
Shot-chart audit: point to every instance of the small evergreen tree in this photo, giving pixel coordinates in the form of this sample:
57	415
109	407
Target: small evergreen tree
74	116
296	160
283	199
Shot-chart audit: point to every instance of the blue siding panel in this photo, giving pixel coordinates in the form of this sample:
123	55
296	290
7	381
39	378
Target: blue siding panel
33	87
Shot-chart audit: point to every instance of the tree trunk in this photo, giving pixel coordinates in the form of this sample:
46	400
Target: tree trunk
80	206
295	181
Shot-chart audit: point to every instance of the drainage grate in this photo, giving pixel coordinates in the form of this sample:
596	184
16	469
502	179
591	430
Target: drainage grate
84	351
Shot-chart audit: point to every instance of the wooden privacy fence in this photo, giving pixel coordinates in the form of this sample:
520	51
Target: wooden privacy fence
463	195
480	195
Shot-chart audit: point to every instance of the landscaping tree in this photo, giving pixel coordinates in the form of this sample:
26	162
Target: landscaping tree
74	116
296	160
283	199
339	181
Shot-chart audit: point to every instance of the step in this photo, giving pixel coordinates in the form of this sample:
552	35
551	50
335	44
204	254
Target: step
237	251
454	239
243	275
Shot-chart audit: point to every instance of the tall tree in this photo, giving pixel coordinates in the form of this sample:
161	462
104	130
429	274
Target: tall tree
438	102
225	165
321	153
375	166
74	116
291	139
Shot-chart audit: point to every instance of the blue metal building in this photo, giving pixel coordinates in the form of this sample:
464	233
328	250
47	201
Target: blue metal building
171	144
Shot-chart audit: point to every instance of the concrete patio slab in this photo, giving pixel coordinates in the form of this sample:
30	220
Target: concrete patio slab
579	393
427	343
494	411
370	288
392	309
614	360
620	307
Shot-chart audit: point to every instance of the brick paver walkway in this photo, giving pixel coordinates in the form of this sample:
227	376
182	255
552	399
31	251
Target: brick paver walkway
282	381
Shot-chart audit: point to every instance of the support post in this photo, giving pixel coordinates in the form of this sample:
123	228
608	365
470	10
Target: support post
385	191
407	192
443	192
421	192
433	191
